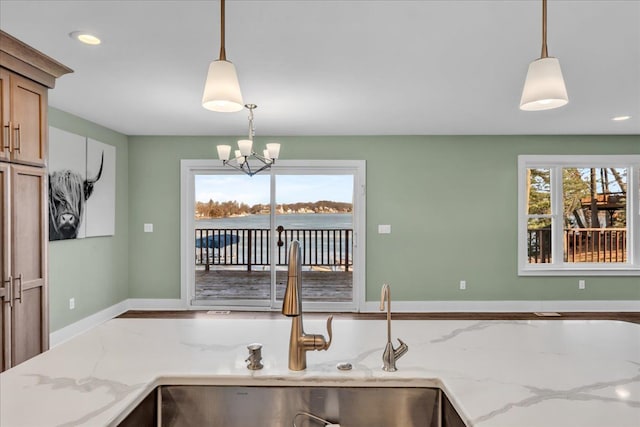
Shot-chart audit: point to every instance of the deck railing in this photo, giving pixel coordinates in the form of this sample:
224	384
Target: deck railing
594	245
252	247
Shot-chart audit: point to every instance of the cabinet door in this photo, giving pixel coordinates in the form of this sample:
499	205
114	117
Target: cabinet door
28	121
5	145
5	274
30	320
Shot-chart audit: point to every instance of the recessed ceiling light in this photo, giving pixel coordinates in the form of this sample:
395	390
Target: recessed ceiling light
620	118
85	37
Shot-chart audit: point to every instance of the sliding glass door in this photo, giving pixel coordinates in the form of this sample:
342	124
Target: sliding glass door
237	234
231	235
317	211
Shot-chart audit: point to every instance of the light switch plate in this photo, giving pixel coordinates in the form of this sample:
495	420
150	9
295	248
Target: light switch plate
148	228
384	229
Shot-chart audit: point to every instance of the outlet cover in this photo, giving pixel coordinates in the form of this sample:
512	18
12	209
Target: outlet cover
463	285
72	303
148	228
581	284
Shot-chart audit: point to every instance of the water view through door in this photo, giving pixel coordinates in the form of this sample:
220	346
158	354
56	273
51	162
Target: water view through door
243	228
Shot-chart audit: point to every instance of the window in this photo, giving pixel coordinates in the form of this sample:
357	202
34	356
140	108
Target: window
579	215
236	232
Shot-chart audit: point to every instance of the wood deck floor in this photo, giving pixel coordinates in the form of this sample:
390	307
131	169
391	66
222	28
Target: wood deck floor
333	286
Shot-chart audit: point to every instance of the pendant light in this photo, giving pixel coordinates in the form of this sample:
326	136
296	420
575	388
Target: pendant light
222	90
544	87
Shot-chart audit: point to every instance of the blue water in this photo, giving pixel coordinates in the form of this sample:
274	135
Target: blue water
288	221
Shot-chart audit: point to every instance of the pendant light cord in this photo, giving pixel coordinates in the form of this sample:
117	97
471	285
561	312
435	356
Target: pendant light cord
223	53
544	53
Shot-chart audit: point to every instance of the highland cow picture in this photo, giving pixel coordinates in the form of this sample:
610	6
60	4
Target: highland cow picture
80	170
67	174
100	206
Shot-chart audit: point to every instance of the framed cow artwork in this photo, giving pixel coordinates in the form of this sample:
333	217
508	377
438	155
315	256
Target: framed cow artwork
81	170
67	177
100	206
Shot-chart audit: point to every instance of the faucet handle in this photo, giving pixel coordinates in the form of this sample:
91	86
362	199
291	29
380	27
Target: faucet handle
318	341
401	350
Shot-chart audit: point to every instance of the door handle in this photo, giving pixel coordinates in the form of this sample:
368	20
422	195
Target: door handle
9	284
20	291
6	130
280	229
17	144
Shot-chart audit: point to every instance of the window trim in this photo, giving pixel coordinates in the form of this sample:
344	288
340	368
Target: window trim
558	267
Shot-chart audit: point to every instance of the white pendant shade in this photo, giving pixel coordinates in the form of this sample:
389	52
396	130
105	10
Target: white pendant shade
239	157
544	87
222	90
273	150
224	151
245	146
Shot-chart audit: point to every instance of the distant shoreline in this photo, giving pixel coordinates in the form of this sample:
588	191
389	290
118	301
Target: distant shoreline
267	214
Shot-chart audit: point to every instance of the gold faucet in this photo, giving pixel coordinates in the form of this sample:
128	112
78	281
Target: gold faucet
390	354
299	343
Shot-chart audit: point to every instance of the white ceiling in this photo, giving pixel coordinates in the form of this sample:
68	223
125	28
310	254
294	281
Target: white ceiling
339	67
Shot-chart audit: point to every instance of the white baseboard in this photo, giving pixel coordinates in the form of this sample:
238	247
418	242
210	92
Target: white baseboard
89	322
156	304
504	306
83	325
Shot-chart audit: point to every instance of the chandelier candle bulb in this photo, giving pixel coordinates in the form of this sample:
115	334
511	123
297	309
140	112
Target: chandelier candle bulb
224	151
239	157
274	150
245	146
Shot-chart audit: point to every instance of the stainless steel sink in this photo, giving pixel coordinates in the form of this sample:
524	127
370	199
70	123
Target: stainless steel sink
232	406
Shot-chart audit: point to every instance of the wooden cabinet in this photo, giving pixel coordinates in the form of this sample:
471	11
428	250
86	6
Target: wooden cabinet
25	77
24	256
5	137
6	298
24	120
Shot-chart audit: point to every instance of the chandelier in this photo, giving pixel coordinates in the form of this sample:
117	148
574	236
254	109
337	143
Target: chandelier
245	159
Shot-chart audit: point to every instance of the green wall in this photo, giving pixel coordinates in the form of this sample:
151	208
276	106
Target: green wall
94	271
451	202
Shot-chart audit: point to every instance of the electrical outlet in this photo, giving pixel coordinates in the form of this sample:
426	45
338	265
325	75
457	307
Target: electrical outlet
581	284
72	303
463	285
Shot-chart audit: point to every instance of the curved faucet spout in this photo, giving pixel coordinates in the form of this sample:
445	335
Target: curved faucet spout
385	294
390	354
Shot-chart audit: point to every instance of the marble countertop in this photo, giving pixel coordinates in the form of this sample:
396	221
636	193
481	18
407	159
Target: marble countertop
496	373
